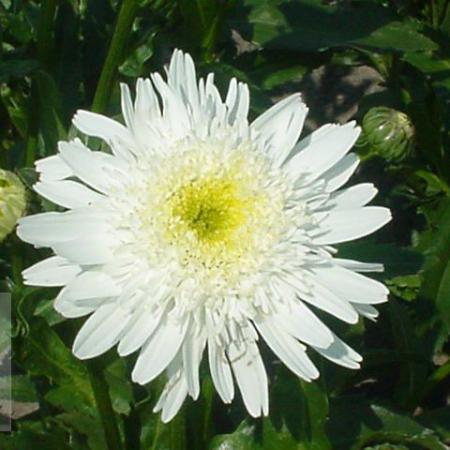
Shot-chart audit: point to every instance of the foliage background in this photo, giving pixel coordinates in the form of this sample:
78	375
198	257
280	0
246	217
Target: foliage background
347	57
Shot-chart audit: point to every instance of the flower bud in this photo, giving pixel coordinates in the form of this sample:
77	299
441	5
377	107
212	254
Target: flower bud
388	133
12	202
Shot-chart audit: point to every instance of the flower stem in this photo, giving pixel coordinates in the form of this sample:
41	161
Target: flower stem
104	406
115	53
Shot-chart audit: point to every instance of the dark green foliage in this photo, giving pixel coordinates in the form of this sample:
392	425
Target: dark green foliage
351	59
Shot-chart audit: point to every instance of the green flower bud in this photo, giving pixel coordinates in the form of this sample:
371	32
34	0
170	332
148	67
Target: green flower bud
12	202
388	133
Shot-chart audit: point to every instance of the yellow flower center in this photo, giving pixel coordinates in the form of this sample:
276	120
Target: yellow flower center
211	208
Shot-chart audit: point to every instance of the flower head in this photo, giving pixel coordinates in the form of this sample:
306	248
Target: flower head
202	231
12	202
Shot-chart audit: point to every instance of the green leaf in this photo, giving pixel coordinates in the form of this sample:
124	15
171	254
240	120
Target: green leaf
355	424
83	424
120	388
435	243
438	420
43	353
300	410
18	387
17	68
435	66
312	25
397	261
242	439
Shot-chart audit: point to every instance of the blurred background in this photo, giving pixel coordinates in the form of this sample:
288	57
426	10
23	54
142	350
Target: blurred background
385	64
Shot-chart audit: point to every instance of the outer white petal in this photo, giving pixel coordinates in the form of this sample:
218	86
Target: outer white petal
279	127
53	168
220	371
159	350
300	322
100	332
358	266
322	298
88	249
97	169
367	311
340	353
127	106
341	172
174	110
192	350
288	349
142	324
251	377
346	225
237	101
350	285
182	78
45	229
53	271
354	197
174	391
172	398
96	125
67	193
88	286
323	152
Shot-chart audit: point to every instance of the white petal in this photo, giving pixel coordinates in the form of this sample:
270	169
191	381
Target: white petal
358	266
341	172
350	285
100	332
324	299
159	350
193	347
88	285
288	349
68	194
237	101
127	106
173	399
96	125
146	103
340	353
53	271
279	127
354	197
346	225
88	249
174	392
300	322
141	326
96	169
45	229
182	78
323	152
251	377
174	110
53	168
367	311
220	372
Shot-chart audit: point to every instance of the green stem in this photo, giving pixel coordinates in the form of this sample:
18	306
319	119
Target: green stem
104	406
115	53
45	27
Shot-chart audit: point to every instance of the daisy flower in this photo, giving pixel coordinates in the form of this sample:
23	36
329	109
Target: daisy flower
203	233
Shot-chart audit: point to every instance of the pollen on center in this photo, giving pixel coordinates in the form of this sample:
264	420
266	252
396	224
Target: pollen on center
212	208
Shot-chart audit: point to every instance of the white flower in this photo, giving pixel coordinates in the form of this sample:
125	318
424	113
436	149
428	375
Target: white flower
201	230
